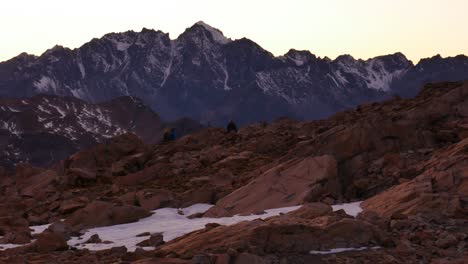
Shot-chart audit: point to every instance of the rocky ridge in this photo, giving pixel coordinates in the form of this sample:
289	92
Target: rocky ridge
404	158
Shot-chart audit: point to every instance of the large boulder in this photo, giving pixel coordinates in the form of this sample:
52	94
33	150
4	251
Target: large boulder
14	230
120	155
49	242
37	185
155	199
154	240
441	189
99	213
283	235
290	183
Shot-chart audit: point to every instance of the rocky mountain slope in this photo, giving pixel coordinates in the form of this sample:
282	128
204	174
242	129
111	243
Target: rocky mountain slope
204	75
45	129
405	159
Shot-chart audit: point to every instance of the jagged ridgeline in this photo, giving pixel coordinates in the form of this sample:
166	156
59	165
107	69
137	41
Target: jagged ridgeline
206	76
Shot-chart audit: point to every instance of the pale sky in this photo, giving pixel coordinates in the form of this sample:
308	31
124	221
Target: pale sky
362	28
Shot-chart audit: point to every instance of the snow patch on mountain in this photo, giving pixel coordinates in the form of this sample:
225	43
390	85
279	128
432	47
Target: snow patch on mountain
10	126
59	110
82	69
13	110
42	109
215	33
44	84
299	58
373	72
340	77
378	77
120	44
167	70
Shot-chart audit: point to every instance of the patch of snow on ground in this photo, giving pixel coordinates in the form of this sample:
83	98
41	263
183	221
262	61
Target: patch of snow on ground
8	246
166	221
172	225
352	209
38	229
339	250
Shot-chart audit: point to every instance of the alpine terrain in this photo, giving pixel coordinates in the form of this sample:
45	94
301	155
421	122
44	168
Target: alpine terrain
45	129
384	182
210	78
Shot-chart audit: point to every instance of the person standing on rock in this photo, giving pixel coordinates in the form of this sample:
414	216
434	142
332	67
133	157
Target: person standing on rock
172	134
231	127
169	134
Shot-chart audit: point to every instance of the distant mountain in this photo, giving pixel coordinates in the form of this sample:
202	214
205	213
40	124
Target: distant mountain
208	77
45	129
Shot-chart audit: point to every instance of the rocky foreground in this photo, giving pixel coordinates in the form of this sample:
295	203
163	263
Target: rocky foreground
406	159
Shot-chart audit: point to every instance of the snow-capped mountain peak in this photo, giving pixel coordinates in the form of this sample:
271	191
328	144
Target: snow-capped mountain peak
216	34
200	76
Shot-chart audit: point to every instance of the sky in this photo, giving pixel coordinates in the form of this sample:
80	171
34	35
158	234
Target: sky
361	28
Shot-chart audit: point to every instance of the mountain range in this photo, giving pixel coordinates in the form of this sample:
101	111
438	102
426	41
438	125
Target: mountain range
208	77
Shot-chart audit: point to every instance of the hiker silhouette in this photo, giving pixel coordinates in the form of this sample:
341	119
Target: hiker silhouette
231	127
169	134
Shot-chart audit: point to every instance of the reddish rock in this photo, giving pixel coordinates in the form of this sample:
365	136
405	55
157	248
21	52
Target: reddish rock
249	258
94	239
70	206
49	242
14	229
312	210
99	213
129	198
38	184
128	164
140	177
163	261
285	185
436	190
279	235
154	240
154	199
446	241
